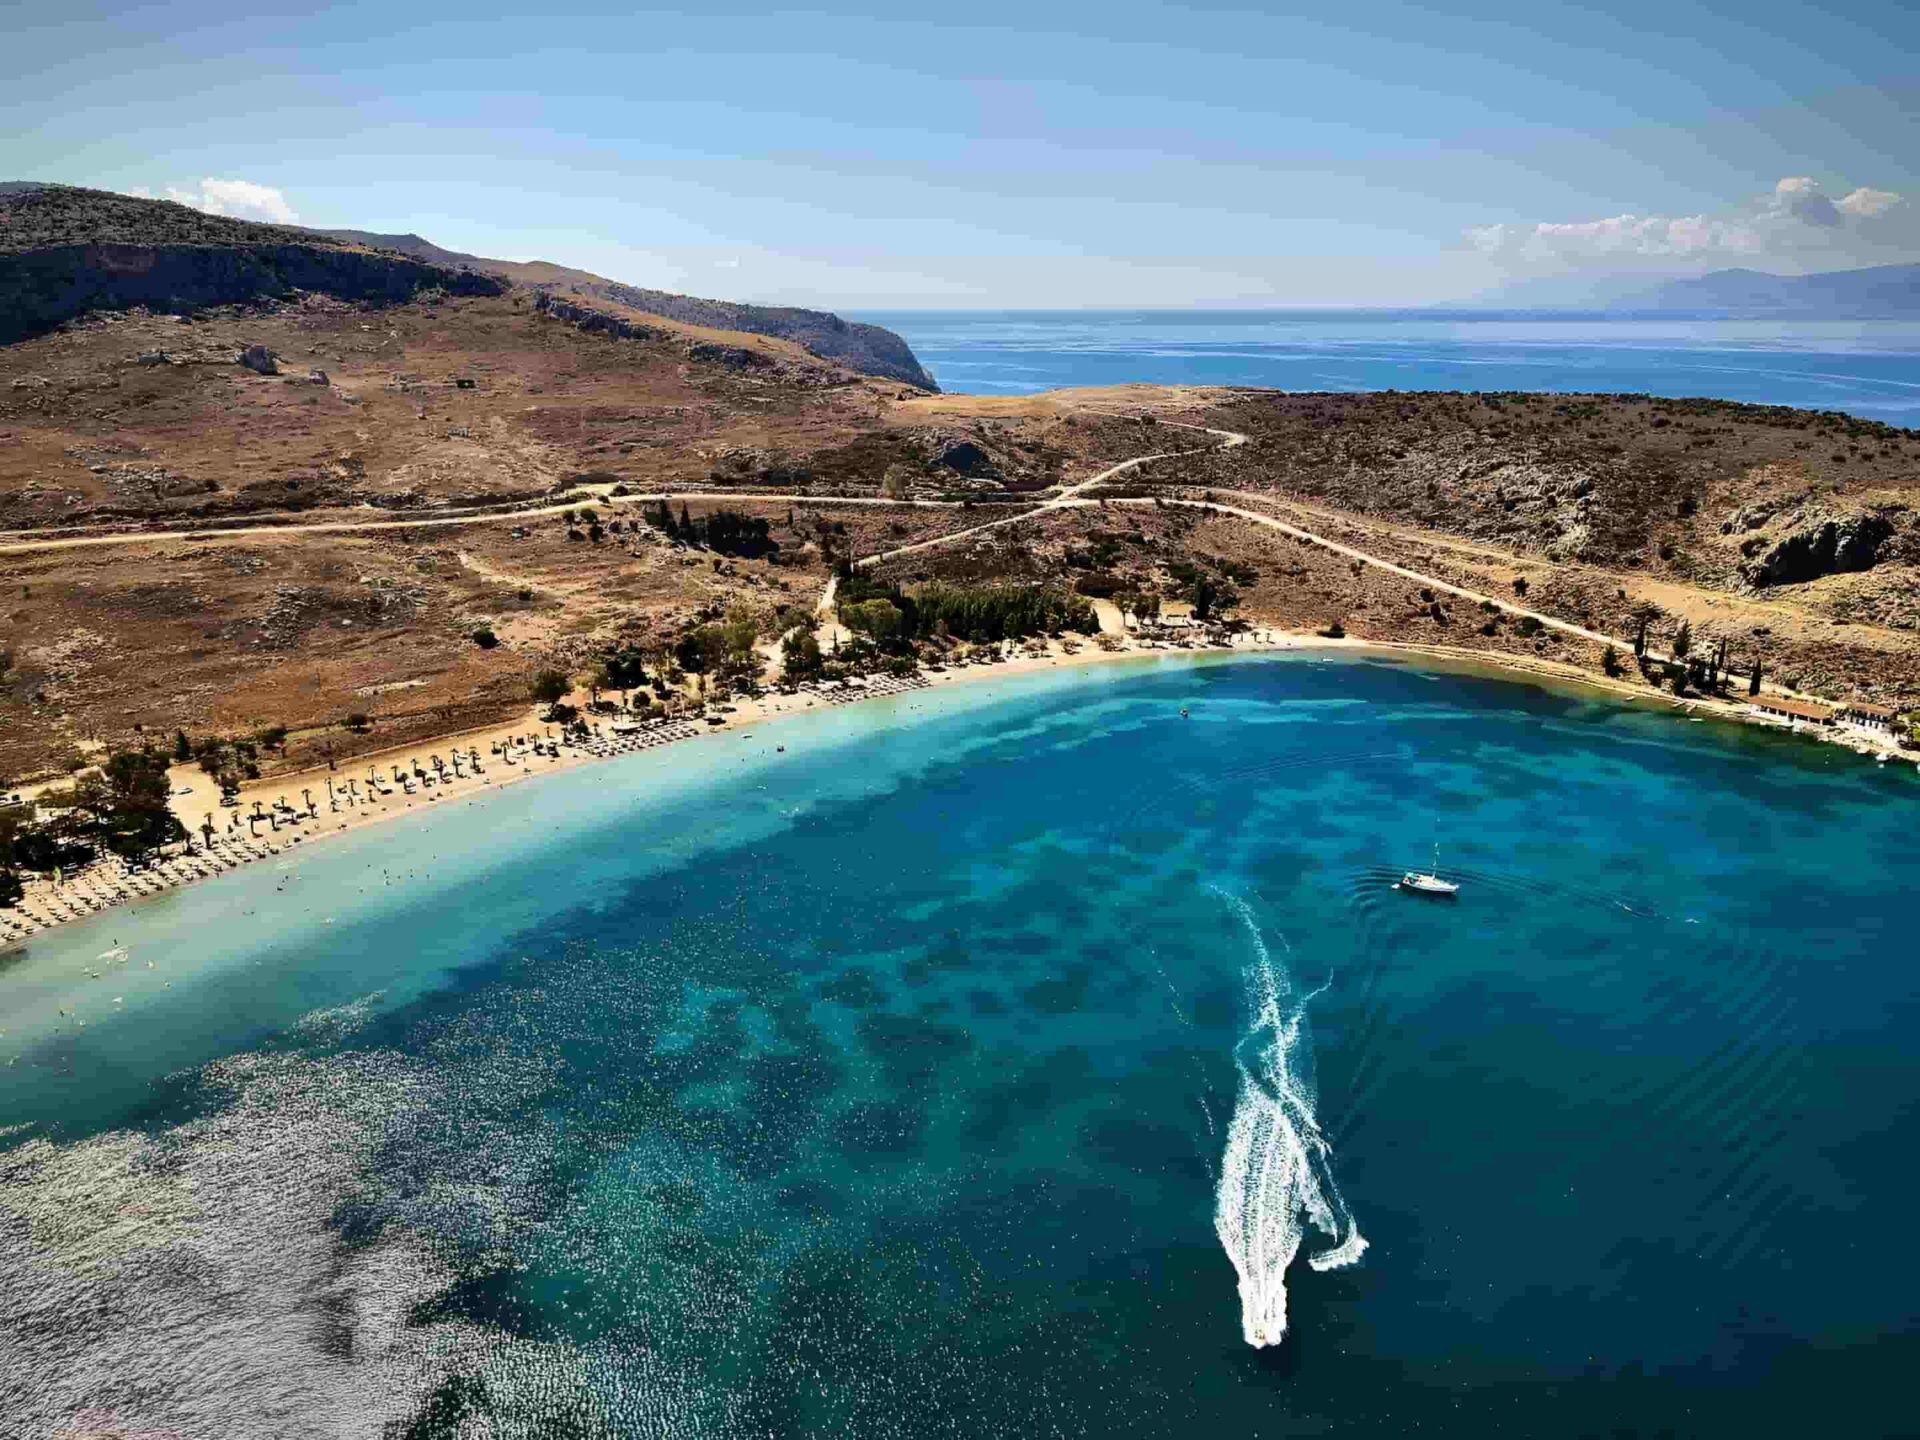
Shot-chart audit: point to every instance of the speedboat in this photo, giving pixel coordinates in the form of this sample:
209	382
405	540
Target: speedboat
1428	882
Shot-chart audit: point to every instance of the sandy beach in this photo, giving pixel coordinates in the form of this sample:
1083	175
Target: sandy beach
302	807
279	812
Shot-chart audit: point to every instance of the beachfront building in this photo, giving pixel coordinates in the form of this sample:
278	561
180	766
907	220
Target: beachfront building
1177	614
1869	717
1798	712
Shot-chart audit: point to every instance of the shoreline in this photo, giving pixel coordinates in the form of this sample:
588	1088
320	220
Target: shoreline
107	884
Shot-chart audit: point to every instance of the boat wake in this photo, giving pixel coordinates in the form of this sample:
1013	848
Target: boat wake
1276	1177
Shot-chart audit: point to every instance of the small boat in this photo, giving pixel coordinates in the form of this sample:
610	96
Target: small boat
1428	882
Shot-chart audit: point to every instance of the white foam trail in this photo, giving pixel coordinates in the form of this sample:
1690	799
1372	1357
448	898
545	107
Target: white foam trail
1275	1178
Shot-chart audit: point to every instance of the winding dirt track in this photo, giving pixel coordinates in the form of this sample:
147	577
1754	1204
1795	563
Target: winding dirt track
488	517
1072	496
1076	495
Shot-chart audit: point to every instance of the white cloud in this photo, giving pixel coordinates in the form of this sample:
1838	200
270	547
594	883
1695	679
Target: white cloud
241	199
1866	204
1614	237
1801	198
1798	221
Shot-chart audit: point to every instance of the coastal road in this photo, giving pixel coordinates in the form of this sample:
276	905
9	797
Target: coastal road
1565	627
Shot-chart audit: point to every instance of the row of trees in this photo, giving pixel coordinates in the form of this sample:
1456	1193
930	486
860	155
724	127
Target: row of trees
725	532
1708	673
717	650
892	617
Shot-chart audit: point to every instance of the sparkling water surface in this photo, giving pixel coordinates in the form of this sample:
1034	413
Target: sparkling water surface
883	1086
1866	368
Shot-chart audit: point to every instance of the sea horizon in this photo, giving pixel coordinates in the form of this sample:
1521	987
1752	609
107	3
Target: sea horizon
1860	367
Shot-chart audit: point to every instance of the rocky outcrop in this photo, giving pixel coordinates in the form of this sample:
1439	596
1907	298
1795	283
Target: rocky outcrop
597	322
600	322
964	457
734	357
41	289
260	360
1819	545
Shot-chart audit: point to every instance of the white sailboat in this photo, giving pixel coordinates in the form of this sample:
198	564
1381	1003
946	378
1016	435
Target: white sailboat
1428	882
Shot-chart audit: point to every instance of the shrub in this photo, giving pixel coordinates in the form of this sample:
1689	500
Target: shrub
485	638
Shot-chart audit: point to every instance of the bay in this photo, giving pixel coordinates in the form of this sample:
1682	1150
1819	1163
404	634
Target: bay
882	1086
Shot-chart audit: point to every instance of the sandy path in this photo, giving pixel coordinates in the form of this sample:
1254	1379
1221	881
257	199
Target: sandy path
491	517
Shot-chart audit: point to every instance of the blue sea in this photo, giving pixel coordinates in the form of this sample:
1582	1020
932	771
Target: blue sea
1865	368
1004	1073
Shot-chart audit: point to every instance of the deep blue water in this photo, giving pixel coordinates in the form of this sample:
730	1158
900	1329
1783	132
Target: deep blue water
1870	369
882	1087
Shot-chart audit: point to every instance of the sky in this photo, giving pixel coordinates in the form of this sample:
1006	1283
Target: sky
1014	156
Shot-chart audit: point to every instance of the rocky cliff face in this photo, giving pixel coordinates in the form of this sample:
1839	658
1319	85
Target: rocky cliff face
868	349
65	250
39	289
1818	545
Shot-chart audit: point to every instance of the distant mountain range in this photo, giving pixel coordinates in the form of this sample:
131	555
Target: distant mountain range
1878	292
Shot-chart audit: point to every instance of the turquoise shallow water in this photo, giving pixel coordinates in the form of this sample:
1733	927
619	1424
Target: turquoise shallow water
883	1086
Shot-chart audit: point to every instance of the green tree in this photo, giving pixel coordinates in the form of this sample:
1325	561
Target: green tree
800	656
877	618
182	748
625	669
1683	640
11	890
741	631
125	803
551	686
701	649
